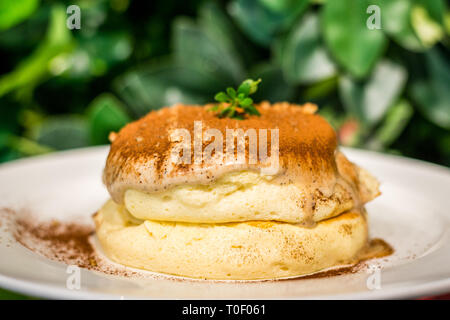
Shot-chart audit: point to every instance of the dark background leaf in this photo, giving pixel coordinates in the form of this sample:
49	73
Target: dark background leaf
355	47
106	114
14	12
369	100
262	20
62	132
304	58
385	89
432	93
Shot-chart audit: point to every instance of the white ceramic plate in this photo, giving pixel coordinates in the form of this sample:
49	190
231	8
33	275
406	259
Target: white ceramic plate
412	215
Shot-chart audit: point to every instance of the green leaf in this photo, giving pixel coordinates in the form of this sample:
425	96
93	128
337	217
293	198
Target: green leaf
303	57
62	132
393	125
351	42
432	94
273	87
9	295
244	88
164	84
4	138
31	70
231	93
105	114
221	97
8	154
369	100
396	22
435	9
427	22
10	111
320	89
13	12
28	34
252	110
27	147
240	100
95	54
195	48
261	20
447	23
246	102
218	25
253	85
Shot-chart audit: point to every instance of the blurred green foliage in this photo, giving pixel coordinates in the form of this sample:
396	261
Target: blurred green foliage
386	90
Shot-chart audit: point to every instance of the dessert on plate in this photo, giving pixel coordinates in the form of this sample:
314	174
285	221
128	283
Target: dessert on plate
223	218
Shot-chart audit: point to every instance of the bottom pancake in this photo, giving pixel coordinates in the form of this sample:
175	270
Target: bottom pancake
244	250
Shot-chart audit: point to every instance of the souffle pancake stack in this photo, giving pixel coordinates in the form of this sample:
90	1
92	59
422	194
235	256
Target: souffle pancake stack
220	218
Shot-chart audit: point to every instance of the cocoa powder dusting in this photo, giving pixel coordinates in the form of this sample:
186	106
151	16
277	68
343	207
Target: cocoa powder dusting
66	242
69	242
376	248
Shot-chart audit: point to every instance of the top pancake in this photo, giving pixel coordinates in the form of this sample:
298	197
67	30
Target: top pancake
140	153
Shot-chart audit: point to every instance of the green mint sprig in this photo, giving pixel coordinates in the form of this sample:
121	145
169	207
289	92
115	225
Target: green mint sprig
236	104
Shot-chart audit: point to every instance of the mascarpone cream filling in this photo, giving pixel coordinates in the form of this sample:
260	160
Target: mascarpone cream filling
241	196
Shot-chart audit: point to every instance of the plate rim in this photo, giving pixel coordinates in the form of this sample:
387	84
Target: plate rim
43	290
49	291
